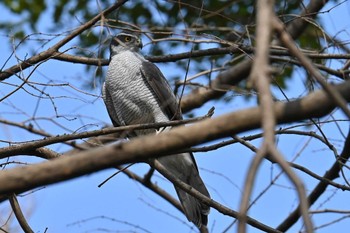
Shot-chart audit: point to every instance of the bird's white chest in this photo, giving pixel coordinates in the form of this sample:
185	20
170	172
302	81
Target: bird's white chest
124	68
133	100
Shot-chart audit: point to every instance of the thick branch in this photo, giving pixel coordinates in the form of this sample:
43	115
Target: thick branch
139	149
296	27
241	71
286	39
259	77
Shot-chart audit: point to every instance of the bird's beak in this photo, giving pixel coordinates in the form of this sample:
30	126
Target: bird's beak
139	42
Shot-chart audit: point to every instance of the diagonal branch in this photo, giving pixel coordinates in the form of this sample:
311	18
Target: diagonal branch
30	147
224	210
54	49
289	43
320	188
156	189
140	149
19	214
241	71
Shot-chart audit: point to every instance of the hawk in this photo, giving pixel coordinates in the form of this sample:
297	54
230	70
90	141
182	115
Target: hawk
136	92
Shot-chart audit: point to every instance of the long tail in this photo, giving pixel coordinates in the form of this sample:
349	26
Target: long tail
184	167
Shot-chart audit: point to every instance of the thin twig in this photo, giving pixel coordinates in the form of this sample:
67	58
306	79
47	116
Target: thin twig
114	174
19	214
320	188
32	145
54	49
289	43
222	209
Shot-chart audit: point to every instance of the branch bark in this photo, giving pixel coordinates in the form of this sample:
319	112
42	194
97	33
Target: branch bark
260	79
140	149
241	71
19	214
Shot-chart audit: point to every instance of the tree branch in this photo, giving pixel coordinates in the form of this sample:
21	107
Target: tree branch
222	209
320	188
286	39
142	148
259	78
30	147
54	49
19	215
241	71
234	49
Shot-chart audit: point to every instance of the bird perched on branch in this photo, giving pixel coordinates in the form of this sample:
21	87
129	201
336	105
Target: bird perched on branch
136	92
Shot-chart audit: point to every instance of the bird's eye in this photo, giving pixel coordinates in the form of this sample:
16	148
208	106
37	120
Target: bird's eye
127	38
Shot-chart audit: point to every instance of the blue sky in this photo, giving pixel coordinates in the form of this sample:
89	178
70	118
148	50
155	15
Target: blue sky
123	205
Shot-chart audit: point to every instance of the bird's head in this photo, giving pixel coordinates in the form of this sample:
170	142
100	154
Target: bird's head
125	41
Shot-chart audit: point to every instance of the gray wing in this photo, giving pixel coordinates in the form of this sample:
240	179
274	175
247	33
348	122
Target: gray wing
107	98
161	88
195	210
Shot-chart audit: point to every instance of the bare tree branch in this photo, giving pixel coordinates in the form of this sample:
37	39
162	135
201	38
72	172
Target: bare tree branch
241	71
259	77
224	210
320	188
54	49
289	43
233	49
30	147
19	215
140	149
248	65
